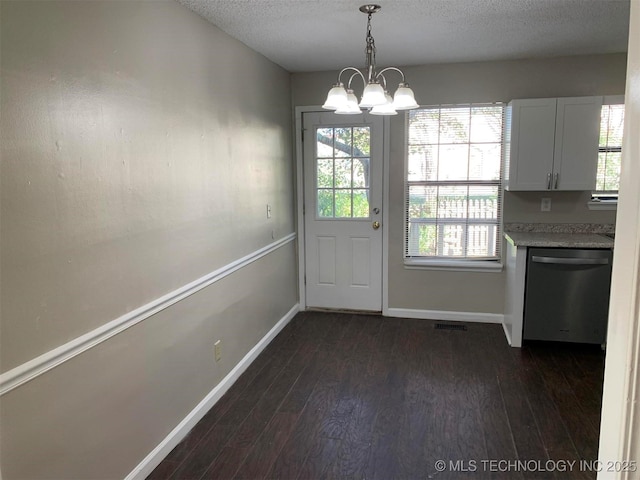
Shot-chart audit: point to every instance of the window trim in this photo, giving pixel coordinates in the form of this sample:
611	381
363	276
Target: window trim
491	265
462	265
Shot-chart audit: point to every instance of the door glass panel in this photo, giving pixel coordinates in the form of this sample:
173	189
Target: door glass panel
324	143
360	203
325	203
360	172
343	144
343	203
361	143
342	172
325	173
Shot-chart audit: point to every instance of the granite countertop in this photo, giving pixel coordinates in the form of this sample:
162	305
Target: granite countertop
559	235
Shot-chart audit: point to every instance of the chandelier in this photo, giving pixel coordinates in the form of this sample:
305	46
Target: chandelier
375	95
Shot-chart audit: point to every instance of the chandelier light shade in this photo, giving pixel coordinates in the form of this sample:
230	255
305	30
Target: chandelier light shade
336	98
350	107
375	96
404	99
386	108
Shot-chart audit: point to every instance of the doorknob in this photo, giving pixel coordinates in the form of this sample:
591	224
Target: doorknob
376	225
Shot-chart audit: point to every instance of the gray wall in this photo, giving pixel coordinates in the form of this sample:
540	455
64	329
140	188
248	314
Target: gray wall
478	82
140	147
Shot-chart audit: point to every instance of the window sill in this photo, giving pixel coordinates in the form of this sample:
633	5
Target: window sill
602	205
491	266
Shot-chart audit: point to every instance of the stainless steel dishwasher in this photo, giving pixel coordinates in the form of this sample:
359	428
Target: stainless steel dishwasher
567	294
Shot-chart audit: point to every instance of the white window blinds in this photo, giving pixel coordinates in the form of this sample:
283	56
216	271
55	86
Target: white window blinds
453	195
610	149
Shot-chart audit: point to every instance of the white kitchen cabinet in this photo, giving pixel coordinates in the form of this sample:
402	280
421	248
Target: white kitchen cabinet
552	143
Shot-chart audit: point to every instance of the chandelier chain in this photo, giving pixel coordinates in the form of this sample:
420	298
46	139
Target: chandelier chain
370	50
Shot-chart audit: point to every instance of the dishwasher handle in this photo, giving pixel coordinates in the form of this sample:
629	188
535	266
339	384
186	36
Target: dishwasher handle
570	261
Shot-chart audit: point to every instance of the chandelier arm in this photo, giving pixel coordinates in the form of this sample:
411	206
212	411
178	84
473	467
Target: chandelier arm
391	68
384	79
353	75
357	72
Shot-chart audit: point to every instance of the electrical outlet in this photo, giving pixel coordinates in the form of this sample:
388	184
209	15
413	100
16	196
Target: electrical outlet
217	350
545	204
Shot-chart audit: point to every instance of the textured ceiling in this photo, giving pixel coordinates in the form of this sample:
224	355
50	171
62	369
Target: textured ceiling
305	35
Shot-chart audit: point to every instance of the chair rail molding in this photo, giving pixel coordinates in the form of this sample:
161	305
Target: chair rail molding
51	359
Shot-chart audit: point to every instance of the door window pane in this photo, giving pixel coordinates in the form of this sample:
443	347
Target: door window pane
343	144
360	172
361	143
325	173
324	143
360	203
342	172
325	203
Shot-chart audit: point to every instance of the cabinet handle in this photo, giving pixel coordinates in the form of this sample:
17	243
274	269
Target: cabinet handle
555	181
548	181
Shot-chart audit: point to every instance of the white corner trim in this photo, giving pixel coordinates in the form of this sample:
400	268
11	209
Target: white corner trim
299	146
151	461
386	154
620	419
507	334
471	317
51	359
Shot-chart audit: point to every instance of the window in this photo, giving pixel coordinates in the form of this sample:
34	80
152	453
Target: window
342	172
454	184
609	152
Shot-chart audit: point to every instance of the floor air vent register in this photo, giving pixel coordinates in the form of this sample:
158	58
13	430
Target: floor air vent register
450	326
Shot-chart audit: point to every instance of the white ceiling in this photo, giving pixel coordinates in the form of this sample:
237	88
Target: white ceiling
314	35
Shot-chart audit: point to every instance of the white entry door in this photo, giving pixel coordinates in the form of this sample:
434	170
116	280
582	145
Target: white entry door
343	210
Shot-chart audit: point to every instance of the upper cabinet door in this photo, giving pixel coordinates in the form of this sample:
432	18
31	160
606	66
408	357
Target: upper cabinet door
530	159
554	144
576	149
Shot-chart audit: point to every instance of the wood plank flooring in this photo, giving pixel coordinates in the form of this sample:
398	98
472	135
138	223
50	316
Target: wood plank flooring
342	396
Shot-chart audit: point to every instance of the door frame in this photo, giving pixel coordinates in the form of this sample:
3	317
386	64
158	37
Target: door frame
300	227
620	420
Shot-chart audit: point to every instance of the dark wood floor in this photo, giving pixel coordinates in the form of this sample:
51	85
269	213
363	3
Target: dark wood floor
365	397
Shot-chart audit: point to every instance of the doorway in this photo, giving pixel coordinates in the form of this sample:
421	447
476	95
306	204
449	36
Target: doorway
342	211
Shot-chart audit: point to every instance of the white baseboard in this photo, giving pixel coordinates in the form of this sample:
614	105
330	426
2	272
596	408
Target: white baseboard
151	461
476	317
